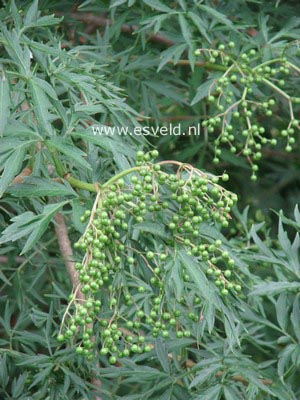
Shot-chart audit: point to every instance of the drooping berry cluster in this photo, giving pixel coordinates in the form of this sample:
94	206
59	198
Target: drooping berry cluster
123	279
241	96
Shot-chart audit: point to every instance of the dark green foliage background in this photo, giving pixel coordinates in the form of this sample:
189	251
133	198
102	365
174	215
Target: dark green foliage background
107	76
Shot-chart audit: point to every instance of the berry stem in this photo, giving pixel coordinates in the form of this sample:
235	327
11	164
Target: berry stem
276	88
275	60
293	66
81	184
121	174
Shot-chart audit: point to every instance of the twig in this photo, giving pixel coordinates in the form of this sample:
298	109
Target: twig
235	378
66	251
17	260
93	21
25	172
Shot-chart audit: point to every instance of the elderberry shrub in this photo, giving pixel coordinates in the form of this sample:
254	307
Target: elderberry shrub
246	89
122	281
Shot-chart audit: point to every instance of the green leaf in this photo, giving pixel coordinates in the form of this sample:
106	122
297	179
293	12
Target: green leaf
262	247
74	377
4	102
213	393
30	225
120	160
289	221
291	250
46	20
207	373
165	90
198	277
32	13
41	106
216	15
157	5
15	14
203	91
172	54
232	329
155	228
108	143
272	288
12	168
90	108
70	151
249	315
185	29
175	278
251	375
41	359
39	187
284	359
295	317
231	393
42	375
4	378
283	238
4	279
46	87
116	3
18	385
200	24
282	310
162	355
209	313
297	215
18	55
78	210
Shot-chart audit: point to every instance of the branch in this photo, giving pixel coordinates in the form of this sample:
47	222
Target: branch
25	172
67	254
17	260
93	22
202	64
239	378
236	378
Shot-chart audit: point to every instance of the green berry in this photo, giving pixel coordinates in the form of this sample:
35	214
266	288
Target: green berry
60	338
112	359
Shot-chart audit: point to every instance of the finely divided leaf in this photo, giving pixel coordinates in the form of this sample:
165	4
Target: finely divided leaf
203	91
39	187
162	355
272	288
12	168
30	225
32	13
205	374
172	54
155	228
69	150
185	29
41	106
157	5
4	103
216	15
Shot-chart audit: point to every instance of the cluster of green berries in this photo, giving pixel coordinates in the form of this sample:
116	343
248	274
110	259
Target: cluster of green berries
236	102
123	282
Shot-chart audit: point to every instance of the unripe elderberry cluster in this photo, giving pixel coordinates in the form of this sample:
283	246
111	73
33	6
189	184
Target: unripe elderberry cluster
123	279
245	91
